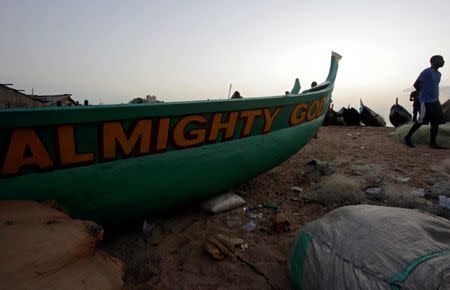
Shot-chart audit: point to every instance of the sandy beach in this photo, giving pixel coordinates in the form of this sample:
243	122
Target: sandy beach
353	165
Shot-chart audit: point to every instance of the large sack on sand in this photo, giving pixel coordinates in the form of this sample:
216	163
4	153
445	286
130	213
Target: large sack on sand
373	247
422	136
99	271
43	248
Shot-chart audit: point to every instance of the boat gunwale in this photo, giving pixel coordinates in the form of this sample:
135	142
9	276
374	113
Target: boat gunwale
49	116
14	118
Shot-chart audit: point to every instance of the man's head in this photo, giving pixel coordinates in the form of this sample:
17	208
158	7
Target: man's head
313	84
437	61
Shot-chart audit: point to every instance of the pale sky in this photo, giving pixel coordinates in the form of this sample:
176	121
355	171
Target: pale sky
186	50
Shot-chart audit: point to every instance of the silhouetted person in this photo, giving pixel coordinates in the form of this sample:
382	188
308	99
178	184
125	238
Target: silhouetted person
430	107
236	95
414	97
286	93
86	102
58	104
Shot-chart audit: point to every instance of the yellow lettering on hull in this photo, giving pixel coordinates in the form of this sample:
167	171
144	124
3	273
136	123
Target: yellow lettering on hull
147	136
115	139
26	149
66	148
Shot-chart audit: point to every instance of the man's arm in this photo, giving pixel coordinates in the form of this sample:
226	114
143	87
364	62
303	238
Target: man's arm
419	82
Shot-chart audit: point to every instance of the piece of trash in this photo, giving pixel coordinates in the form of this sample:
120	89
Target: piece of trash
444	201
147	227
244	246
280	222
374	190
220	246
224	202
234	221
250	210
214	251
420	192
363	147
402	179
253	215
296	189
250	226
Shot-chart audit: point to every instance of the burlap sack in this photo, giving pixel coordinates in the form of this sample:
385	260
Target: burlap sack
43	248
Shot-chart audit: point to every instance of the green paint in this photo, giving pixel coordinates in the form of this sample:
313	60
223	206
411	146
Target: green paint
297	261
296	88
395	280
132	187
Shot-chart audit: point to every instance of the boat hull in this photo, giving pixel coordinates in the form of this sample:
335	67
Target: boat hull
132	185
131	188
370	118
119	162
399	115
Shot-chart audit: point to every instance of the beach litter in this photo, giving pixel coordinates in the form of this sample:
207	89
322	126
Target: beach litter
222	203
444	201
420	192
273	219
402	179
250	210
220	246
250	226
297	189
374	190
280	222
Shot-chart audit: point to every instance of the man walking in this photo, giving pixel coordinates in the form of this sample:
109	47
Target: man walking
430	107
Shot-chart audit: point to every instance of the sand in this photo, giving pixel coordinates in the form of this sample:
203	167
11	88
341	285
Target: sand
172	255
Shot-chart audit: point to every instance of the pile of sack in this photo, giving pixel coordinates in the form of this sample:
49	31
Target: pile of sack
372	247
41	247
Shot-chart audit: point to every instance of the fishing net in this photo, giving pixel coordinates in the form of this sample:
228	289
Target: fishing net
422	135
372	247
43	248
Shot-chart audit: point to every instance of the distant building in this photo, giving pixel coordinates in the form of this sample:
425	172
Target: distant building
12	98
52	100
151	99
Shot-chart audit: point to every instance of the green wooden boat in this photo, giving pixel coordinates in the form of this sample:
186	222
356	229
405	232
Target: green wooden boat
116	162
